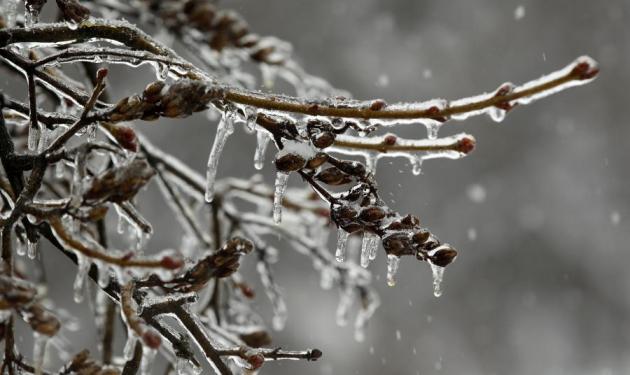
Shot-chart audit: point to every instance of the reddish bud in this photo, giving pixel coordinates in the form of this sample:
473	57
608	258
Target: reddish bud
584	70
256	360
126	137
151	339
246	290
377	105
171	263
466	145
390	139
101	74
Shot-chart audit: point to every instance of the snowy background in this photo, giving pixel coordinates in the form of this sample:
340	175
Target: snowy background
540	212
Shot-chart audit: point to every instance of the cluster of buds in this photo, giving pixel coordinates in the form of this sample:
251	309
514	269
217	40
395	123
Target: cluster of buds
160	99
220	264
21	297
119	184
220	28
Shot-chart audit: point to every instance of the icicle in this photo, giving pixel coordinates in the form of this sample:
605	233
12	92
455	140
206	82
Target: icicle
438	275
433	127
373	302
224	129
370	162
34	132
342	244
123	220
20	248
10	11
31	16
44	135
416	165
251	114
278	195
277	302
31	248
327	277
345	303
262	140
130	345
368	247
392	267
148	356
91	132
39	351
83	268
60	169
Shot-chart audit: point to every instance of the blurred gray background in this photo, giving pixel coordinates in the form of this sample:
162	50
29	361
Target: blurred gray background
540	211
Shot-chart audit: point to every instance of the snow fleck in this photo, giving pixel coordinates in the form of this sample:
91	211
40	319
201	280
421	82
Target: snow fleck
382	80
615	217
519	12
472	234
476	193
427	74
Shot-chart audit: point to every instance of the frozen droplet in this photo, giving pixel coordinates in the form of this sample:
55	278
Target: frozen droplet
438	275
342	244
31	16
519	12
392	267
496	114
83	266
278	195
368	247
34	132
251	115
224	129
262	140
39	351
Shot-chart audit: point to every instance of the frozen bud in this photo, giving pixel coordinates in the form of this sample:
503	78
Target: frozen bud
395	225
323	140
125	136
151	339
171	263
101	74
420	237
397	243
289	163
372	214
377	105
390	139
72	10
120	184
246	290
410	221
256	339
466	145
443	256
353	168
504	89
319	159
585	69
153	89
333	176
315	354
345	212
256	360
40	320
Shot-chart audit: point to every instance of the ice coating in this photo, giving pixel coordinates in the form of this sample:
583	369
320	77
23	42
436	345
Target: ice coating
83	266
40	342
